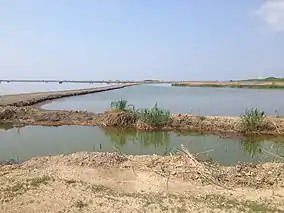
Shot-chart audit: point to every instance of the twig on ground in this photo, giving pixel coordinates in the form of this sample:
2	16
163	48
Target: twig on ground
264	158
210	150
277	156
201	168
132	167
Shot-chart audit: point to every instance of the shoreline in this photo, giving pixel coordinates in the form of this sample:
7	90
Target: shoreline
216	125
29	99
241	84
24	109
115	182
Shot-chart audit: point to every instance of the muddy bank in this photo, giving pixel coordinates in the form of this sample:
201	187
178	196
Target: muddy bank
28	99
111	182
178	122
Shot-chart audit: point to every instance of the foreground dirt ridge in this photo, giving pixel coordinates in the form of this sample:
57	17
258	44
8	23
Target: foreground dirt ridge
112	182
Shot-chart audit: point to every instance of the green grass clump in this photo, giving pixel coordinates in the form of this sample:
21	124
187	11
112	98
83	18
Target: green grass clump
155	116
253	120
120	105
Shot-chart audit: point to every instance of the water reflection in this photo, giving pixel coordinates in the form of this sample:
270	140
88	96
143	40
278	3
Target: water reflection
119	137
6	126
251	147
42	141
263	148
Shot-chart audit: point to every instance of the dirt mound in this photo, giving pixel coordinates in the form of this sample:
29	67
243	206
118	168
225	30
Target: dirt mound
118	119
181	167
88	159
255	175
8	113
112	182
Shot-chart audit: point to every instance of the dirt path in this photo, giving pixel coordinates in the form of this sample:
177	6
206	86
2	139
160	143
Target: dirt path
104	182
28	99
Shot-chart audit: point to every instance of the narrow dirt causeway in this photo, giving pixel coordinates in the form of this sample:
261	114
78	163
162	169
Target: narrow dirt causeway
104	182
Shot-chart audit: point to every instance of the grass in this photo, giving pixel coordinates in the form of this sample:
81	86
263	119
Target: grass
253	120
269	79
155	116
247	86
120	105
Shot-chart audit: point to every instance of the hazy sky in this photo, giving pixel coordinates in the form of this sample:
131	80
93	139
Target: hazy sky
141	39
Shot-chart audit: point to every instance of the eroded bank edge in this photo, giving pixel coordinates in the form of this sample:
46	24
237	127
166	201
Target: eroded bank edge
227	126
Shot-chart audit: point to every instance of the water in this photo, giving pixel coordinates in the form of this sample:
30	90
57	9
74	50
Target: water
29	142
14	88
192	100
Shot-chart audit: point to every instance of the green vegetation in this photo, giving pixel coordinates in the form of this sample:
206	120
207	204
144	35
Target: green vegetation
253	120
155	116
269	79
246	86
120	105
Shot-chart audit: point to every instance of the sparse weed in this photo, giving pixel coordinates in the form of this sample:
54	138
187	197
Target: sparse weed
120	105
253	120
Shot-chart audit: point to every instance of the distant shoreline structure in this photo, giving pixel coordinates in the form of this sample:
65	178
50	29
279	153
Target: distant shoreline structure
263	83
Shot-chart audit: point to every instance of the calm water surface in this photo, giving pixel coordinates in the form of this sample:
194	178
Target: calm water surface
200	101
14	88
29	142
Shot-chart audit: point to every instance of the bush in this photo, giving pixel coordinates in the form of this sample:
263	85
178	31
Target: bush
253	120
155	116
120	105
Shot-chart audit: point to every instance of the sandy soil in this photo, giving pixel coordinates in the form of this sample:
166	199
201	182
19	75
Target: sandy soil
104	182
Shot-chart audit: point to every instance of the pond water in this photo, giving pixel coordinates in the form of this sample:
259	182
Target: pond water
14	88
192	100
31	141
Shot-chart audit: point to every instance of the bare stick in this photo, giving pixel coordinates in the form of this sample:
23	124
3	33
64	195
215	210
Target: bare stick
277	156
133	170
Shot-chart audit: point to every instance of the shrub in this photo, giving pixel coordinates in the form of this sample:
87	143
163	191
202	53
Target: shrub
253	120
120	105
155	116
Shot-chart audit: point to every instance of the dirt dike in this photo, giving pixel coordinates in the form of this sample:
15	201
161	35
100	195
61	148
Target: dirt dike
29	99
22	109
178	122
113	182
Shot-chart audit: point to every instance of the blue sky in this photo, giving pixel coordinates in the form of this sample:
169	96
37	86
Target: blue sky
135	39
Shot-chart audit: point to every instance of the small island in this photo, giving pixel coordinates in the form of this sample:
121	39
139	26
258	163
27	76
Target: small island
265	83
